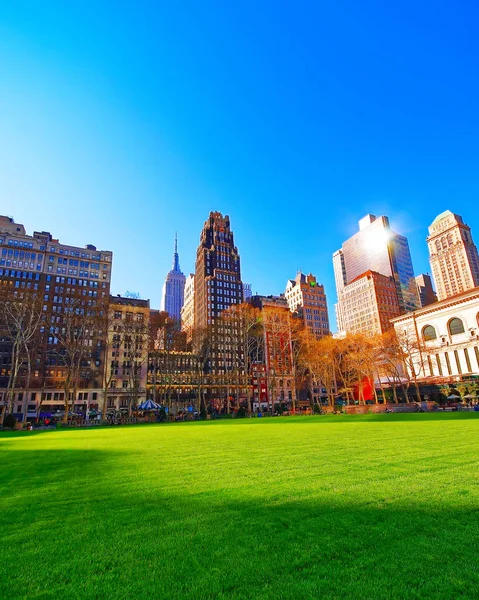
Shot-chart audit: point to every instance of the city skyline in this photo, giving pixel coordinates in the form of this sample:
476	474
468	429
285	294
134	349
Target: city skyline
328	281
125	130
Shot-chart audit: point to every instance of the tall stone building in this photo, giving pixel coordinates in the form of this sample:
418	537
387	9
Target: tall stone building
375	248
307	299
218	282
173	289
71	281
188	310
453	255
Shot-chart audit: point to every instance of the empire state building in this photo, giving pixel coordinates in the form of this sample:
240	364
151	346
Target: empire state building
173	294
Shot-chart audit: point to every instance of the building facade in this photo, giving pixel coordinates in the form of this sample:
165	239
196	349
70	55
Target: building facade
127	356
172	297
74	285
341	282
188	310
247	293
425	291
307	299
275	370
375	248
218	282
174	377
453	255
368	303
442	339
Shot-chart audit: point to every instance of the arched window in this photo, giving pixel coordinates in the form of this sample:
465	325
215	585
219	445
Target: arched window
429	333
450	240
456	326
438	245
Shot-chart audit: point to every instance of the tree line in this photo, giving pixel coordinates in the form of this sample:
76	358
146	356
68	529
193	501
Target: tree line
84	346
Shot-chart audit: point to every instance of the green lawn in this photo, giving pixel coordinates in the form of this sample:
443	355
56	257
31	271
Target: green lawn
375	506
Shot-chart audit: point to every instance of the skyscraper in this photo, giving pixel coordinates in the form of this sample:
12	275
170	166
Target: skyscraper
218	274
378	249
174	288
453	255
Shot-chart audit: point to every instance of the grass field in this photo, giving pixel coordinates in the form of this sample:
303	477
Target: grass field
376	506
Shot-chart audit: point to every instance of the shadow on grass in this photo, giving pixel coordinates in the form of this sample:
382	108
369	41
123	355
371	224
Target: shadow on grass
85	523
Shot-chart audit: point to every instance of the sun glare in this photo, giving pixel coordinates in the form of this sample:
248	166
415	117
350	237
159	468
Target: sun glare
377	241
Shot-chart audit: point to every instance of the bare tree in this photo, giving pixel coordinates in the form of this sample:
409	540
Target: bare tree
111	340
135	343
20	318
202	345
278	352
71	344
240	343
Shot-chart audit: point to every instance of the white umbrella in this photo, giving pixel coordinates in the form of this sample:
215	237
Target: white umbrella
454	397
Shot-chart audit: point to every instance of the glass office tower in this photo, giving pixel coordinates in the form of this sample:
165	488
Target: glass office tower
377	248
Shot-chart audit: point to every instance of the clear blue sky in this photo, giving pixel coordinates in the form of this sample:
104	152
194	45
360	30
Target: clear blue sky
122	122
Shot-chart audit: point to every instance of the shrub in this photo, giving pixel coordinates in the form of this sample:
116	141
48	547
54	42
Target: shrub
316	409
241	413
9	422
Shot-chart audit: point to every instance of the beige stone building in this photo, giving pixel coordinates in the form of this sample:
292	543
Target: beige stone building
128	345
307	299
368	304
453	255
188	310
442	339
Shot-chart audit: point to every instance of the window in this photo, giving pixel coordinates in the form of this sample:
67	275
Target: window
456	326
429	333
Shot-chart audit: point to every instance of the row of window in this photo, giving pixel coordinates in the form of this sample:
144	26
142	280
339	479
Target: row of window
20	274
455	327
74	253
20	254
20	244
